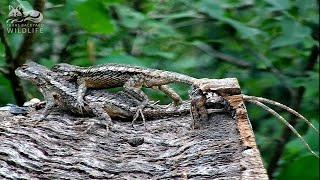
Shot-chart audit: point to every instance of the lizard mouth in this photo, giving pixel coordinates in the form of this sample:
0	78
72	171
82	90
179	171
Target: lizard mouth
20	72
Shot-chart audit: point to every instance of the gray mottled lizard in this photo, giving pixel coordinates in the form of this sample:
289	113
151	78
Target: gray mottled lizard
61	94
132	78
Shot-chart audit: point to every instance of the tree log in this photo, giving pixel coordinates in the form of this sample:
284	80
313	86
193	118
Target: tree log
61	147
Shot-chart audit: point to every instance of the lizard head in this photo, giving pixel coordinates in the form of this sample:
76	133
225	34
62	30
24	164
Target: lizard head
33	72
70	72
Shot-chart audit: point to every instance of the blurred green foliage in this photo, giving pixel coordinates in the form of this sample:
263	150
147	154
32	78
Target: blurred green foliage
265	44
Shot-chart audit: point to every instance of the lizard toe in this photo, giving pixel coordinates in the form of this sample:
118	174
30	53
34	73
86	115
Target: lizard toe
138	113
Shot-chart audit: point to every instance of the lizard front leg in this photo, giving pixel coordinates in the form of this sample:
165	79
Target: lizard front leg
50	104
80	94
133	87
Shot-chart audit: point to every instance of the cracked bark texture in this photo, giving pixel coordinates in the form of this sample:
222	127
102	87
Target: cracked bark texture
59	148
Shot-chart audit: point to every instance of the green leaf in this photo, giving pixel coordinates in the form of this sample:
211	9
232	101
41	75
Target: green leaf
292	33
185	64
94	18
6	91
26	6
295	147
81	62
47	62
130	18
306	167
212	8
231	4
111	2
121	59
308	10
307	81
244	31
161	30
154	50
215	10
2	55
279	5
185	14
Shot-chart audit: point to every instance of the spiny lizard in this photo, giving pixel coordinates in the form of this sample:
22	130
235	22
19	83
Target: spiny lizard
62	94
132	78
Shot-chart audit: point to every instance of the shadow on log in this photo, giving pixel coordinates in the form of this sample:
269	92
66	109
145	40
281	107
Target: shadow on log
60	148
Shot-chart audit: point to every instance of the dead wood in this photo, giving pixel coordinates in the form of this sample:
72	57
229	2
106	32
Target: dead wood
223	147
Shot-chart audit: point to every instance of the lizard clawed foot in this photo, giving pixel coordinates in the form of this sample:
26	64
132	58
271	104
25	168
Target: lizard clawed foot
170	104
155	103
80	105
43	117
37	122
109	127
139	112
93	123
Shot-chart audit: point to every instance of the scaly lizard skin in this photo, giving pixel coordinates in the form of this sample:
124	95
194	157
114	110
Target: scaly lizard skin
132	78
62	95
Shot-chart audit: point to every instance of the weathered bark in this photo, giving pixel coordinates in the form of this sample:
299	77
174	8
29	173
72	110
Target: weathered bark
222	148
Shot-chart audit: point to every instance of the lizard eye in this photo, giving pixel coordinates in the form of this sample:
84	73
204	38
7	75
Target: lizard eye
55	96
24	66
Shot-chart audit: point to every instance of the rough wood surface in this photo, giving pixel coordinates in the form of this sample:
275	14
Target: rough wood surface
59	148
251	159
224	87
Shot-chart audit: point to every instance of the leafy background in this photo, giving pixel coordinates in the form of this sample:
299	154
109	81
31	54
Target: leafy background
271	46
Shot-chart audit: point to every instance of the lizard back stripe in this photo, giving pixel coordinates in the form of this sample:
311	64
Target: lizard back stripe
129	71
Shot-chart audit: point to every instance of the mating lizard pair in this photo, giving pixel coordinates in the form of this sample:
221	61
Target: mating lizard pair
61	90
131	78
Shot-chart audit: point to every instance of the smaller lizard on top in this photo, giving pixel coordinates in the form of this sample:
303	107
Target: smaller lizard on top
132	78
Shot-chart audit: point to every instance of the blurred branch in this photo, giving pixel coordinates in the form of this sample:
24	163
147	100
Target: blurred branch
285	135
241	63
188	23
137	5
275	71
231	60
23	54
24	50
64	54
275	103
221	56
9	71
4	71
282	119
91	51
53	7
127	46
313	58
4	41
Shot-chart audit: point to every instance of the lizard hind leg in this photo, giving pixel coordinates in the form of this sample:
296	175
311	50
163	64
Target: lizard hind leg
172	94
139	112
